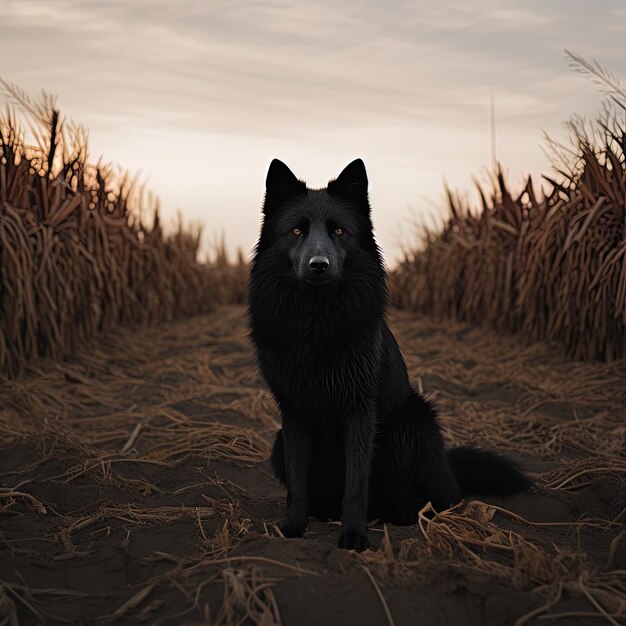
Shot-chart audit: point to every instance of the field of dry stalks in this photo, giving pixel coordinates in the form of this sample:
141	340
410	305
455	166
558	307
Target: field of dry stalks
549	266
82	250
135	431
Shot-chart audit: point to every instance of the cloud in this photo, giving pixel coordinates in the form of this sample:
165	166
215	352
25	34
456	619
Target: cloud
282	67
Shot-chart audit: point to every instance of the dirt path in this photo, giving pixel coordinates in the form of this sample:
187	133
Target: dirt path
134	489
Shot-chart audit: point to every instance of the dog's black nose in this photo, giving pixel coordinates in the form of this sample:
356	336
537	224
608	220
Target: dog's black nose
319	264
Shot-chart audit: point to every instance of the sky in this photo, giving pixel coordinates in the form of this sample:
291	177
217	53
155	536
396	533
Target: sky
198	97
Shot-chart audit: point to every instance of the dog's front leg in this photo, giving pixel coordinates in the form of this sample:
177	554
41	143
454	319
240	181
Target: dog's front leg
358	434
298	442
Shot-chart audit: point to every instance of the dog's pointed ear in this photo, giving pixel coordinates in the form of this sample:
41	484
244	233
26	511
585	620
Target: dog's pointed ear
352	183
280	185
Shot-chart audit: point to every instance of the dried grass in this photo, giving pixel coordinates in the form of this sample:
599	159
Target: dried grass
28	597
152	398
8	612
470	537
549	266
82	249
247	597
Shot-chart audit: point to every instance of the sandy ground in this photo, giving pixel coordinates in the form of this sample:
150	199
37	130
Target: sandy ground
134	488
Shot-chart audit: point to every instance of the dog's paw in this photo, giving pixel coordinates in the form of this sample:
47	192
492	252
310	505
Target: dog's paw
292	531
353	541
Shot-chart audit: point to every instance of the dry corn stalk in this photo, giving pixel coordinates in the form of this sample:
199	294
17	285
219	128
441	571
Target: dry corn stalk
77	255
550	266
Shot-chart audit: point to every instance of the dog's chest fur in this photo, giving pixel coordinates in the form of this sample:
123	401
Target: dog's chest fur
316	368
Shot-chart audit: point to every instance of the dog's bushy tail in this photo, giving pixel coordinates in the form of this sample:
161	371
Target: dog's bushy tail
486	473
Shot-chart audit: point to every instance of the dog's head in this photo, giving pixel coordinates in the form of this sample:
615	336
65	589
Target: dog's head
317	237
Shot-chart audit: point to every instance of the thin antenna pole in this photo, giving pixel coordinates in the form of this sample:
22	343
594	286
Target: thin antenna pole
492	118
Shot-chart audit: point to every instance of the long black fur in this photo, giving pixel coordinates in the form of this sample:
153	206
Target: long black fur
357	441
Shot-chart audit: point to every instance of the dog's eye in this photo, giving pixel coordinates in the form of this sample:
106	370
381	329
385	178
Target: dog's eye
338	232
297	232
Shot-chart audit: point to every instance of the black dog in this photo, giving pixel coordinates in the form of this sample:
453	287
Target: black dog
357	441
